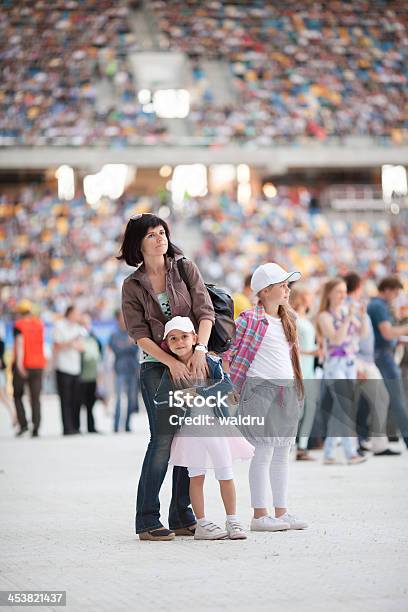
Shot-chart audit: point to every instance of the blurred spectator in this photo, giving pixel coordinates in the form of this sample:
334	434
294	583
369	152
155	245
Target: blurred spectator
69	343
404	352
339	326
127	368
4	396
370	387
301	300
243	300
28	365
386	334
90	360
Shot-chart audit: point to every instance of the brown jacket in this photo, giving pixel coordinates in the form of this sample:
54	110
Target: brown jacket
141	309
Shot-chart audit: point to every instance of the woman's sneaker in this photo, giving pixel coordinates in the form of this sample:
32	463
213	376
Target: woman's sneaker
269	523
235	530
209	531
330	461
294	521
356	459
304	455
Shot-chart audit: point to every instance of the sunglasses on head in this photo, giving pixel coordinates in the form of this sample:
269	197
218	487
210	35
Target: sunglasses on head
138	216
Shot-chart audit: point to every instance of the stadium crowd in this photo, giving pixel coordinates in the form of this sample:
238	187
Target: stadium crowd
284	229
56	252
319	73
49	90
316	72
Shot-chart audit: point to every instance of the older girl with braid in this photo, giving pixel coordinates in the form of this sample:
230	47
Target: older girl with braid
265	367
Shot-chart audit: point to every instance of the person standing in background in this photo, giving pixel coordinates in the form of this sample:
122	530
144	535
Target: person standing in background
386	334
301	300
90	359
4	396
340	326
28	365
68	345
403	348
370	385
243	299
127	369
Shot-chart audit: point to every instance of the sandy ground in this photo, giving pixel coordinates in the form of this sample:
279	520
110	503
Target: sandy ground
67	508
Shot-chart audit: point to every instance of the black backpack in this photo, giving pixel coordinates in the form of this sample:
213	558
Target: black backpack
223	331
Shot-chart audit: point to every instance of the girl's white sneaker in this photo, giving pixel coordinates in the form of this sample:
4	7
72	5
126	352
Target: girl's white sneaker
269	523
235	530
209	531
294	521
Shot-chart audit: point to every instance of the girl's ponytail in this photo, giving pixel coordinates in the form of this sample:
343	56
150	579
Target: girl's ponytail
288	319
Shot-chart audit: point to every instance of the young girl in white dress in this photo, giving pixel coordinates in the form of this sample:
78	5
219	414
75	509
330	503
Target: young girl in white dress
208	445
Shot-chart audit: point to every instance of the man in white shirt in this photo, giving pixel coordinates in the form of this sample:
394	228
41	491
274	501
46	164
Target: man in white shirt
68	346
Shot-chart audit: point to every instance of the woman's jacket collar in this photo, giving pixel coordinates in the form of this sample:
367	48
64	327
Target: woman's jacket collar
141	276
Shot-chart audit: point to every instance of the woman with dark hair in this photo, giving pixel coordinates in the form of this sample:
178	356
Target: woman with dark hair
152	295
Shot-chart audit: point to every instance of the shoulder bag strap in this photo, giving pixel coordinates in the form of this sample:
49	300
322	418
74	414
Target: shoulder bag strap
182	271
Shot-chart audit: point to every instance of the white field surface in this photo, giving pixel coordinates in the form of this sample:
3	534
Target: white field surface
67	508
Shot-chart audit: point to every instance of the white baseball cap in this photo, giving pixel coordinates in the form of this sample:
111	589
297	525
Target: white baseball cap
181	323
271	274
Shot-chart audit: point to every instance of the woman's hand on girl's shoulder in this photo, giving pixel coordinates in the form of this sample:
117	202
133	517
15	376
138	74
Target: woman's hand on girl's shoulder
179	372
198	365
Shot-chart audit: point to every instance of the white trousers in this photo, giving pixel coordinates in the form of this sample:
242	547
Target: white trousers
269	471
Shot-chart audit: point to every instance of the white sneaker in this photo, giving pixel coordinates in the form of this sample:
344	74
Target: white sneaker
269	523
209	531
294	521
235	530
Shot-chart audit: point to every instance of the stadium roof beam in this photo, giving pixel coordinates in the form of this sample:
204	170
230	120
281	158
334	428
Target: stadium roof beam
280	158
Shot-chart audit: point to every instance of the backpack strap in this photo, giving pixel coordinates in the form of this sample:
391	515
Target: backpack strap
182	271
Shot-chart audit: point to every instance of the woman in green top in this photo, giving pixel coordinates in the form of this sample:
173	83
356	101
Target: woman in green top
152	295
301	300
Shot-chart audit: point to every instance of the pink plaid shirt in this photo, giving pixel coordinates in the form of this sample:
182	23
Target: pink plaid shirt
251	327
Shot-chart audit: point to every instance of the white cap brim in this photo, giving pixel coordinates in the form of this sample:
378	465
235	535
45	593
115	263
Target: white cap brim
183	324
293	276
290	276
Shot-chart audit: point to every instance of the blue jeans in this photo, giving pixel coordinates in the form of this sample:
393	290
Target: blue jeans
129	384
391	373
156	461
